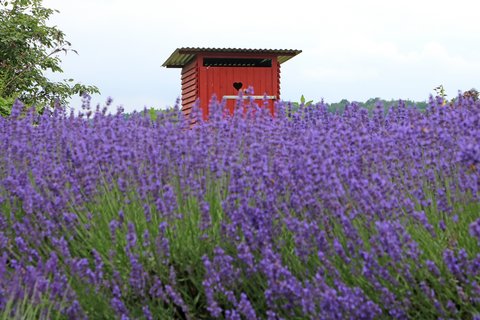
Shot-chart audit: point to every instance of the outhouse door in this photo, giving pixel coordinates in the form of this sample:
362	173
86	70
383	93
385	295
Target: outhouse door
227	81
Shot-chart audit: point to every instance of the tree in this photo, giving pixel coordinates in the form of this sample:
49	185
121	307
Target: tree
29	48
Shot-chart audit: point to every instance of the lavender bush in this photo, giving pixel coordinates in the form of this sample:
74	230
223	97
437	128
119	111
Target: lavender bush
311	215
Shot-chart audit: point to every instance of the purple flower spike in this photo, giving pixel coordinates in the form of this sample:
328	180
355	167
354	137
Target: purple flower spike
475	230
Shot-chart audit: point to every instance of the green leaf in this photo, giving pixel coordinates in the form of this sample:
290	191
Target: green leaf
28	49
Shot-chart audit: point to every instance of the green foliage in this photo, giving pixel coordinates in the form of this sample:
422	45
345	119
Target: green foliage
184	253
295	106
469	94
188	243
30	308
29	48
6	106
440	91
152	113
156	114
303	102
372	103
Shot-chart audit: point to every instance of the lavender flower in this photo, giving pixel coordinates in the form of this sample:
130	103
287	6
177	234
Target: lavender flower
475	230
307	214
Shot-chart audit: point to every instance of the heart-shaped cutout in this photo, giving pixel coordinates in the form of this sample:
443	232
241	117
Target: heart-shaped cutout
237	85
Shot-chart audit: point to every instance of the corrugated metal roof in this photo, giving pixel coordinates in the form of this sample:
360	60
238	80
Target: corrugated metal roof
182	56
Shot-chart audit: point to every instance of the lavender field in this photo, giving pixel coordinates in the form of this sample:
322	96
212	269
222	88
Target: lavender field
309	215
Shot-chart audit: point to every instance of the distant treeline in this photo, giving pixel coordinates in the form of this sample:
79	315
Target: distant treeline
372	103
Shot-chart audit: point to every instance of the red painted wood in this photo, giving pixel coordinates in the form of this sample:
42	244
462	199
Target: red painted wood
221	80
189	79
201	82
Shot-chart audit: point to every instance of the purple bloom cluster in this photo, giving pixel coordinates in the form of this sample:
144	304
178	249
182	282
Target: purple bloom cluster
312	214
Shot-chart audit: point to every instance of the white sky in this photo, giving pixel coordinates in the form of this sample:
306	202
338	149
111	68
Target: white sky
351	49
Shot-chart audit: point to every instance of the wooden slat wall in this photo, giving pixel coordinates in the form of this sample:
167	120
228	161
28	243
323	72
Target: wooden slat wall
189	87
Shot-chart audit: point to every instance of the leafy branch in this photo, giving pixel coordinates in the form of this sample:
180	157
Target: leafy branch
29	48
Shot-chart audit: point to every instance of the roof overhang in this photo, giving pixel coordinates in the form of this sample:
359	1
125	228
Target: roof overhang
182	56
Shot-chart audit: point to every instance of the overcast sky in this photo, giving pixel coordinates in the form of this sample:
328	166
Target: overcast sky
352	49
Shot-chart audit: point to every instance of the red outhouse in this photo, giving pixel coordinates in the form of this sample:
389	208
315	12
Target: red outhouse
225	72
